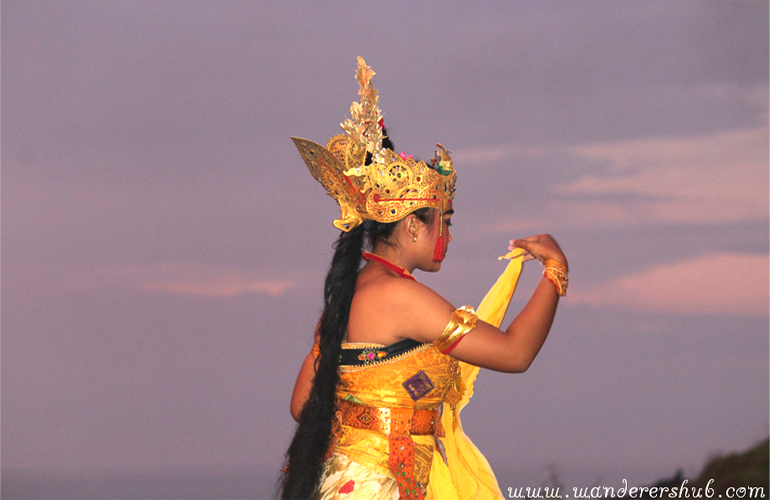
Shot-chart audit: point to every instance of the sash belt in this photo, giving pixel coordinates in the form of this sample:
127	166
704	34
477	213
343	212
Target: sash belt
399	424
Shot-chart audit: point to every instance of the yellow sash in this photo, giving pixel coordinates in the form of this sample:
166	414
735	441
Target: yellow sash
467	473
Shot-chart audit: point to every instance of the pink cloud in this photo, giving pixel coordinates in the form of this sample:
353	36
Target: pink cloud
721	283
229	286
481	157
187	279
708	179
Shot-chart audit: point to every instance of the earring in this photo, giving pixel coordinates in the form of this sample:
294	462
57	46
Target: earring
414	239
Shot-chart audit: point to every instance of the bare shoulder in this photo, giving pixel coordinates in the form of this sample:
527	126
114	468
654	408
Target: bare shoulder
400	295
392	309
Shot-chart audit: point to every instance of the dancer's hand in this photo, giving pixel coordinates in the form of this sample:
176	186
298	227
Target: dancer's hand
540	247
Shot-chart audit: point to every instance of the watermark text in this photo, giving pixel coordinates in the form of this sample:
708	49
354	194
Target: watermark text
683	490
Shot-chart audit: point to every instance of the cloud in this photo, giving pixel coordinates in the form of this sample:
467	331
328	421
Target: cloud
705	180
719	283
229	286
719	178
480	157
191	280
564	214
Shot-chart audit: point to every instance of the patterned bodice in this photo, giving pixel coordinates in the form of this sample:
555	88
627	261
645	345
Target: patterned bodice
414	376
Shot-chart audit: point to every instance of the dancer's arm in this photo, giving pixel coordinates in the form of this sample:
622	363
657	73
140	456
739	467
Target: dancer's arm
509	350
304	382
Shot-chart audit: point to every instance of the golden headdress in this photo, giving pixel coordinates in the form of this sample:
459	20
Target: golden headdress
388	188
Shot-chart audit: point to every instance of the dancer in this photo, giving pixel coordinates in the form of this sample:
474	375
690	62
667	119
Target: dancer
378	398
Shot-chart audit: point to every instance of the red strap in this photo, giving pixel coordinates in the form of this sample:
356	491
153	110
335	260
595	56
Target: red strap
451	347
401	464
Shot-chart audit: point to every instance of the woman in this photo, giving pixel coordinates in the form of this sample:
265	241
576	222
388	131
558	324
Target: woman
377	399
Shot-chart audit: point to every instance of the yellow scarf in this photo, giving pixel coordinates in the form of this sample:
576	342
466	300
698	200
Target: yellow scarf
467	474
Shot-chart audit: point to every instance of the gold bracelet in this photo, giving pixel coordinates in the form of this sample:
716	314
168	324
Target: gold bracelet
556	272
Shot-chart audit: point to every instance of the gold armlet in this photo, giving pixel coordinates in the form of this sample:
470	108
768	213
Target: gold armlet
463	321
556	272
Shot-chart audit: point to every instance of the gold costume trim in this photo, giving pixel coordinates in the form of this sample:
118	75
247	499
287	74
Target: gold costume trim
361	345
393	359
463	320
399	421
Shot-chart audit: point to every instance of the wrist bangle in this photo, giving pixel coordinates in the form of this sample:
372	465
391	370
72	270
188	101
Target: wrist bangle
556	272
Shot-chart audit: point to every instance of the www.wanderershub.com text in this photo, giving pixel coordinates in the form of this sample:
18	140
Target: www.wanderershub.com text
656	492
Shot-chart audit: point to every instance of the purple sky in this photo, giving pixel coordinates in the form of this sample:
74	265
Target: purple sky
164	245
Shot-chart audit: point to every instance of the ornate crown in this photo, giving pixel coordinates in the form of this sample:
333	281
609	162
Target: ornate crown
391	186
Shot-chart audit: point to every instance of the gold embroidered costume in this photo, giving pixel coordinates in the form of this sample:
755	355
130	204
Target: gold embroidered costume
389	409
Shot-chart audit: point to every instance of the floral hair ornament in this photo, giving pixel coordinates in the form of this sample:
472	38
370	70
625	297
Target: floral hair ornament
387	188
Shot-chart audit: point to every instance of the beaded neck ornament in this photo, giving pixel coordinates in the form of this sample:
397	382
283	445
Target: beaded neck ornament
388	188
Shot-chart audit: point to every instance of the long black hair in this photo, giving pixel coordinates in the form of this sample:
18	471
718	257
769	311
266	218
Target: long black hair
305	455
